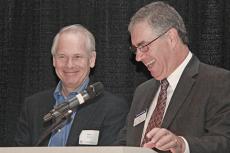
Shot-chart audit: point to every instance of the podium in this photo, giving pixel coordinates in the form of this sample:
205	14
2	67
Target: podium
75	150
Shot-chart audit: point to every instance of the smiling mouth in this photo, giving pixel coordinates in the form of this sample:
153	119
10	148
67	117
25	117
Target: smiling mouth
149	64
70	73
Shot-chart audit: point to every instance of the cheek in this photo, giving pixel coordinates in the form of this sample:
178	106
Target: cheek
58	66
162	63
86	64
54	63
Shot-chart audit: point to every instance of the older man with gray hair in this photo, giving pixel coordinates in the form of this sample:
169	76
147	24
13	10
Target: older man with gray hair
74	55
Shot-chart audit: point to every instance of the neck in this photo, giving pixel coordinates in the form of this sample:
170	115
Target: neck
66	91
181	52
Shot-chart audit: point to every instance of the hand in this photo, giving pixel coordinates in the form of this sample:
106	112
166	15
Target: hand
165	140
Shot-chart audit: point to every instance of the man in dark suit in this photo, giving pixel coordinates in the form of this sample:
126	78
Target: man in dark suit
96	122
185	107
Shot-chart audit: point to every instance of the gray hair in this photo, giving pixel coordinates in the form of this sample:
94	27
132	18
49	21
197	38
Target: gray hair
77	29
160	16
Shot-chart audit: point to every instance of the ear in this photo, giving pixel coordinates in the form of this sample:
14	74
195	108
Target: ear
173	37
92	59
54	64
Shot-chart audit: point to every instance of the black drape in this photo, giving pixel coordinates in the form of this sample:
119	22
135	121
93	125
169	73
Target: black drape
27	28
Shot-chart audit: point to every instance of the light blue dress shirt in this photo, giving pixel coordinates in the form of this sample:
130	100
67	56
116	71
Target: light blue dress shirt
59	137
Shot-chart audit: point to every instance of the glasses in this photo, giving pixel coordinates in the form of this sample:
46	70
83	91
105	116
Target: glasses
145	47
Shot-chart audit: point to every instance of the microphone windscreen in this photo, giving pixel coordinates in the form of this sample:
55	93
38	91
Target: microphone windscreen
95	89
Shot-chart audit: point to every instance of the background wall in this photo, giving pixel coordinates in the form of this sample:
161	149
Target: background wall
27	28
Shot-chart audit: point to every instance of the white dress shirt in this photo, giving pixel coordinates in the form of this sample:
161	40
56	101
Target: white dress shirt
173	80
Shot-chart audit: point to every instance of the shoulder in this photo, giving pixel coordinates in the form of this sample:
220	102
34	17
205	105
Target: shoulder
111	98
211	79
109	95
40	98
203	69
214	73
41	93
147	85
111	101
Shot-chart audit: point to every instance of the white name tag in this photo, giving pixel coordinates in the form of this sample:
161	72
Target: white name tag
140	118
89	137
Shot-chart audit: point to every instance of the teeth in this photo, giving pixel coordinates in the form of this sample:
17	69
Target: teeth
151	62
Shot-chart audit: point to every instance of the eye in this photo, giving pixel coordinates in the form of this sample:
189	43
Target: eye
60	56
143	48
76	57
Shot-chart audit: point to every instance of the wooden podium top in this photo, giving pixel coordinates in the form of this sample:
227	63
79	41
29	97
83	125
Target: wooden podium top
96	149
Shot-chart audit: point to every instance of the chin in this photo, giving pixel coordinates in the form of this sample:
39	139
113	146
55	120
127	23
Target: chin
153	74
155	77
71	83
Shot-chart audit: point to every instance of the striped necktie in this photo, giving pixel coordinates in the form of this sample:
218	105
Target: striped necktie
158	113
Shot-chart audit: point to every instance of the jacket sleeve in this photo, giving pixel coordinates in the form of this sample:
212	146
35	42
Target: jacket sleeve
114	122
22	136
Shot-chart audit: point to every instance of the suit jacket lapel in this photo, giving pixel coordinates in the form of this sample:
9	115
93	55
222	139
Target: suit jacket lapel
182	90
148	95
79	123
146	98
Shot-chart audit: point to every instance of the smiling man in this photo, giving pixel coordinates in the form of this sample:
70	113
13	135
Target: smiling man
185	107
96	122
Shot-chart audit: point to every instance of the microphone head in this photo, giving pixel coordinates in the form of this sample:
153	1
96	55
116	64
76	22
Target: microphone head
95	89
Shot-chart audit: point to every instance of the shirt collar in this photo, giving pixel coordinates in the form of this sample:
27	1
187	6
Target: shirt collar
175	76
59	96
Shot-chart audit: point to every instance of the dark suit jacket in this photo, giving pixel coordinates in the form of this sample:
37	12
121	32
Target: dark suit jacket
106	113
199	109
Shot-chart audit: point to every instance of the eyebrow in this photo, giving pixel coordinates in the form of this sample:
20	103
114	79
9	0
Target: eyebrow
140	44
63	53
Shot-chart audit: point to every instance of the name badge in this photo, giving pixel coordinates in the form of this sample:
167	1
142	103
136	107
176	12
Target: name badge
140	118
89	137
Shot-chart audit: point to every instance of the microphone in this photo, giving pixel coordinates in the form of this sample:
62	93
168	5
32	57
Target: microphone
61	109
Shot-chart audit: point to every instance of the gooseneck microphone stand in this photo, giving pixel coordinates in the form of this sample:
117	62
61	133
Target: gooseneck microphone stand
58	123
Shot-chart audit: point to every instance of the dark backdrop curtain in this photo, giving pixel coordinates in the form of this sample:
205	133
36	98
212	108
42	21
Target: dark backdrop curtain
27	28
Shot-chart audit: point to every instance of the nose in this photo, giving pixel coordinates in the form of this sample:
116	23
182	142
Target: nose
139	55
69	63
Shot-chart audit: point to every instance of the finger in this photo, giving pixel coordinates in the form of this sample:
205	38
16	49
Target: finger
153	132
166	140
149	144
162	139
166	143
157	134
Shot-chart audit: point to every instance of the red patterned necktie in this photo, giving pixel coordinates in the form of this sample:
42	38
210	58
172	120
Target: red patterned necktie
157	116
